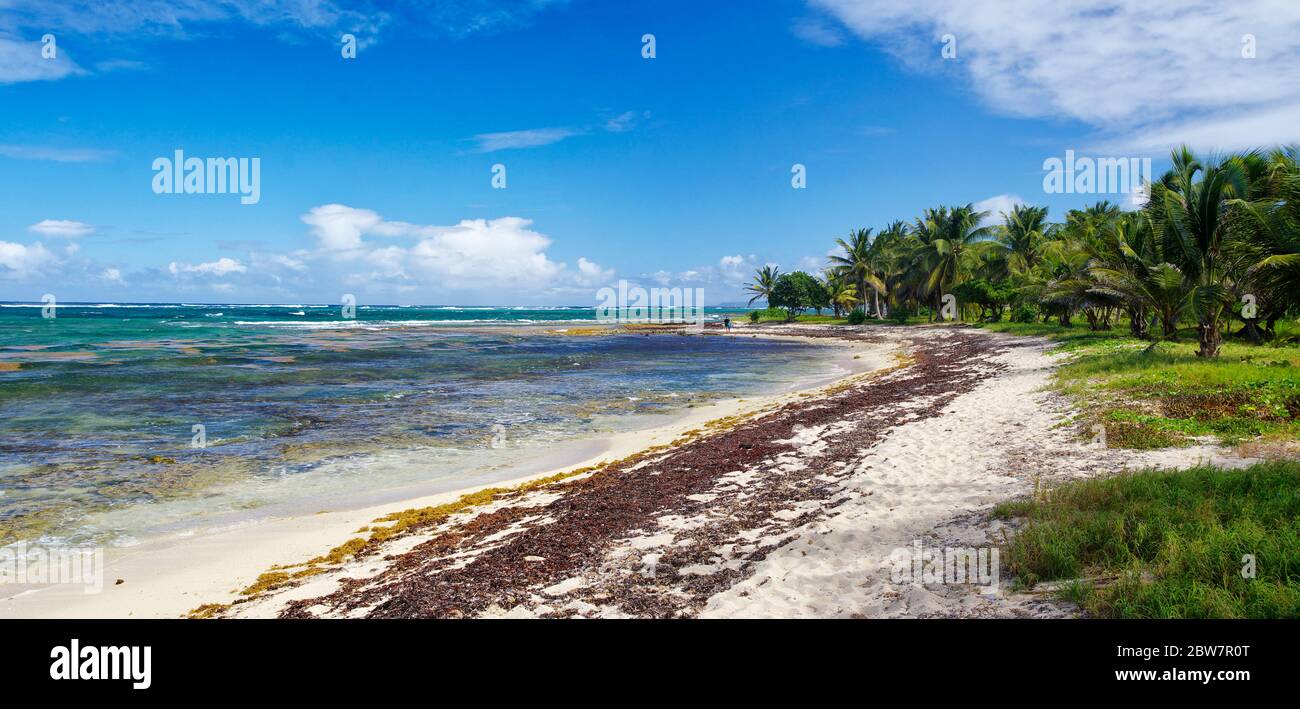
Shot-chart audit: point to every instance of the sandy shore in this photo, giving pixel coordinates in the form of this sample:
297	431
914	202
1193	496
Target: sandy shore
792	509
793	513
165	578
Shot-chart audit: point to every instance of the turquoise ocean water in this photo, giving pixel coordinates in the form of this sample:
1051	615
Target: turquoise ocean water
303	410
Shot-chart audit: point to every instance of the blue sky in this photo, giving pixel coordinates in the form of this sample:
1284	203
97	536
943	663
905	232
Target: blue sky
376	171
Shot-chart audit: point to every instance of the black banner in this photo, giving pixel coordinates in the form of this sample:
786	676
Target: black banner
941	659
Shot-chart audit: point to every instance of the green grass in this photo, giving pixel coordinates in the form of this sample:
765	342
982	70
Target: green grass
1167	544
778	315
1154	395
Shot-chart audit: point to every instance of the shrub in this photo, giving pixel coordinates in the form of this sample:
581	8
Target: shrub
1024	312
797	292
857	317
754	315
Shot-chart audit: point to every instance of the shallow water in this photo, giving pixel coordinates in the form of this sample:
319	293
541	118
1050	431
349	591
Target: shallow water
300	407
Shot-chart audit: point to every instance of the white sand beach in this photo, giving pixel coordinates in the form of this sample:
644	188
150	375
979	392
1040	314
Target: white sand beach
167	577
930	476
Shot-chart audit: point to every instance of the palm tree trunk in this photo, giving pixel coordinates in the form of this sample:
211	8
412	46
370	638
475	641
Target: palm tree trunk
1209	336
1252	332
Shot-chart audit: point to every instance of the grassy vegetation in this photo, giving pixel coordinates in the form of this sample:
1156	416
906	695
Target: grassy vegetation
779	315
1167	544
1152	395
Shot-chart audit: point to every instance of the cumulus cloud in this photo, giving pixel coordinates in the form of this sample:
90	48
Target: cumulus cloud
221	267
996	206
472	254
722	279
734	270
591	273
812	264
62	228
20	261
1145	73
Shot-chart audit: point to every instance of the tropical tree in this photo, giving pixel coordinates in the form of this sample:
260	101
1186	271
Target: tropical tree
796	292
1270	227
950	246
855	263
1024	232
842	294
1196	205
1217	240
886	258
764	280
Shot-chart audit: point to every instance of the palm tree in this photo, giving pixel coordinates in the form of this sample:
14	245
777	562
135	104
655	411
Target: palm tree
1126	262
764	281
1196	205
1073	288
1270	246
843	295
950	248
1161	288
1023	233
885	262
855	264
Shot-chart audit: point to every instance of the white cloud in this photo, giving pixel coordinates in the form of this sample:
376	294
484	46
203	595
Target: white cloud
818	32
812	264
996	206
532	138
1146	73
1218	132
22	61
185	19
112	275
62	228
338	227
473	254
625	121
734	270
20	261
223	266
725	278
591	273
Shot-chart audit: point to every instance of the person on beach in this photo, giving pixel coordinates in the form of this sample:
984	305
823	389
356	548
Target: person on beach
726	322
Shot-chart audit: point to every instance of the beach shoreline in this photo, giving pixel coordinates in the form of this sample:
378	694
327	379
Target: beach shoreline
797	512
169	576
